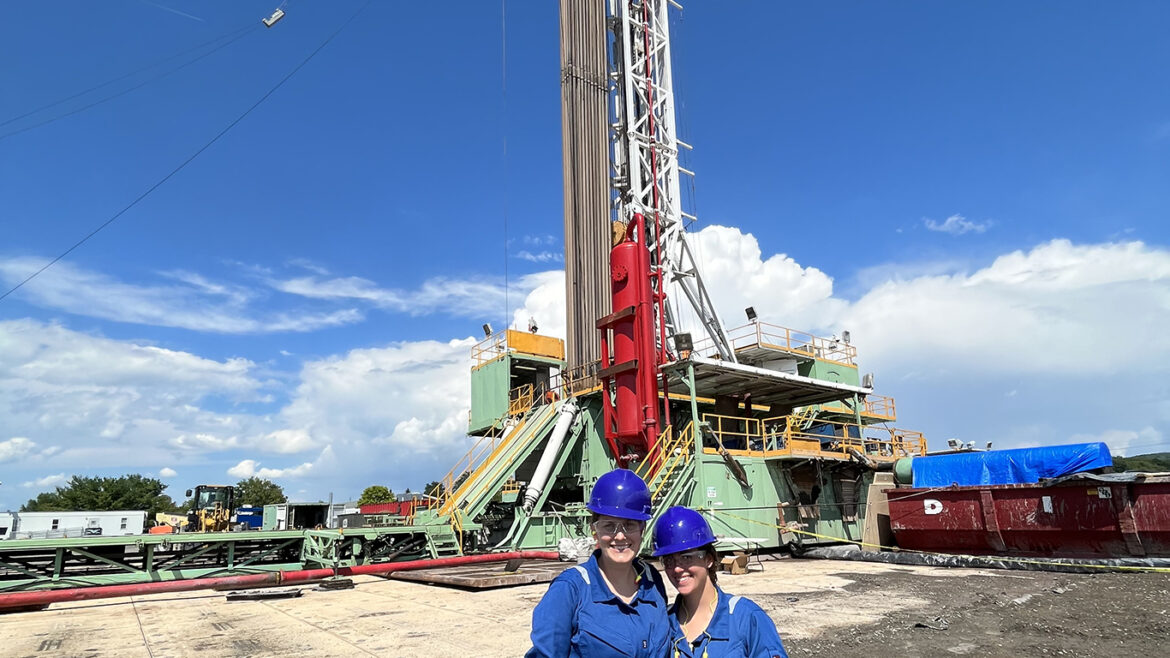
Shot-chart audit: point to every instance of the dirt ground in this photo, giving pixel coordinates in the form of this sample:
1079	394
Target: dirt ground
999	614
822	608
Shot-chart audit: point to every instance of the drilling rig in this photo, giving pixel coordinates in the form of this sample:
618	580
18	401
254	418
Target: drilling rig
771	432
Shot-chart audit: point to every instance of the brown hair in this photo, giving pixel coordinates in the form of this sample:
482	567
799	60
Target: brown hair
713	570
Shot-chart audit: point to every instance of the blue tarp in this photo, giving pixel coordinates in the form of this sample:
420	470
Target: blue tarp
1020	466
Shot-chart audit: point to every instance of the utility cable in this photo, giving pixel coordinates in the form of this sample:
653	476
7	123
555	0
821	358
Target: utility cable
129	89
188	161
111	81
504	122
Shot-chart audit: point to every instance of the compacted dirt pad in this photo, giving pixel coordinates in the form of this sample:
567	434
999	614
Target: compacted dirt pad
1006	614
822	608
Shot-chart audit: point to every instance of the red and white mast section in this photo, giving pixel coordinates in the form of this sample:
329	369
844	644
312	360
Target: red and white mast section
645	163
654	253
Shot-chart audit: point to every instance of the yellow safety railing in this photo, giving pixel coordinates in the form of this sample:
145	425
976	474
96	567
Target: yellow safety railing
797	436
875	406
489	349
671	453
576	381
521	399
512	486
510	340
770	336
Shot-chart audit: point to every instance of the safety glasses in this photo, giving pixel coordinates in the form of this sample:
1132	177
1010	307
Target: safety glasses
684	560
611	528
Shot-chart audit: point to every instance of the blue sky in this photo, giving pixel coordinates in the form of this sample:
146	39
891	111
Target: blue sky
977	191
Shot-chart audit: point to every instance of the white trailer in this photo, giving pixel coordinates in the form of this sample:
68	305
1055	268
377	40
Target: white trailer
54	525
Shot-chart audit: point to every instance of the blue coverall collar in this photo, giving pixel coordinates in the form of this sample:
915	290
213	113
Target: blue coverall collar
600	592
719	628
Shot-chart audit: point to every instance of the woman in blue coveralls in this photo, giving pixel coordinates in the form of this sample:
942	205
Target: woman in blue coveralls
614	604
705	621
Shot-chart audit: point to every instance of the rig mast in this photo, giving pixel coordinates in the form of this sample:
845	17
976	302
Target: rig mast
645	168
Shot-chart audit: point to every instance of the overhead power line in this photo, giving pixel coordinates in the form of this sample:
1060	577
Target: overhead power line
238	34
194	155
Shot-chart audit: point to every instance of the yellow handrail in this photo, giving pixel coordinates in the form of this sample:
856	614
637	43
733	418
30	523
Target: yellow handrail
781	436
521	400
874	406
672	451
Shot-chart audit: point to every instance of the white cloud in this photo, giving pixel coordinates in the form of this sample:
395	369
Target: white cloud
45	482
1126	443
1074	309
244	469
15	448
99	402
956	225
386	395
193	303
250	468
545	303
459	297
541	256
167	472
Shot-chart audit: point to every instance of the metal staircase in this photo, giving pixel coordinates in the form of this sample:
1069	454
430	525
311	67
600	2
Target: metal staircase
668	472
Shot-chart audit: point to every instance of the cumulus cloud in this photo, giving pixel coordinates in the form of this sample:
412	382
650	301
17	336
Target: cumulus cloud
167	472
545	303
956	225
386	395
1056	308
102	402
15	448
191	302
45	482
1126	443
251	468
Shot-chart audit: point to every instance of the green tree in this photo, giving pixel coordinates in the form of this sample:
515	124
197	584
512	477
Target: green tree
375	494
127	492
433	488
259	492
1154	462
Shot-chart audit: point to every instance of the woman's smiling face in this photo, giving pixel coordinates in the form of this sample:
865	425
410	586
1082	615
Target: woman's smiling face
688	570
618	539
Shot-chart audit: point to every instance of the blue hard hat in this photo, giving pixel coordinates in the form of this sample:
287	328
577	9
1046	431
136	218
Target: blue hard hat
681	529
622	494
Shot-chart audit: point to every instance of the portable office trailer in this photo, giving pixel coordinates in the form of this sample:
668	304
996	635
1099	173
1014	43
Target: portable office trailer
52	525
303	516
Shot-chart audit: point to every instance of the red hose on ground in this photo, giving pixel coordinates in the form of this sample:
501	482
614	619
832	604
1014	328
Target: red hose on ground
45	597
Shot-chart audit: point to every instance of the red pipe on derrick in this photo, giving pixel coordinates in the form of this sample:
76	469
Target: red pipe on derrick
45	597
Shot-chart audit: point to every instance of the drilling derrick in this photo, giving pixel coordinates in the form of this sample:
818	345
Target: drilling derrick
645	168
757	421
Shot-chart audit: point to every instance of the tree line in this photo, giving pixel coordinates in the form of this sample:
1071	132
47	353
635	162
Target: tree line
138	492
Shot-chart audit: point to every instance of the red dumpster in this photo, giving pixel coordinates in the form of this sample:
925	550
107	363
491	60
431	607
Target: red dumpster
1076	518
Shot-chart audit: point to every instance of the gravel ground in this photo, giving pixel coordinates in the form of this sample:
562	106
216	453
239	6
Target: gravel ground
821	607
1005	614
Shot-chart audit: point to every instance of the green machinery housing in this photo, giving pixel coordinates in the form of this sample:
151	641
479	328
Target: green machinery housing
778	449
